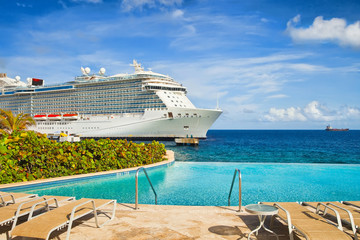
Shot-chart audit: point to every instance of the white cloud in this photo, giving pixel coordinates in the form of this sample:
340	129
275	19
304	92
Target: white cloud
246	80
334	30
23	5
277	96
129	5
289	114
313	111
55	70
62	4
304	67
178	13
350	112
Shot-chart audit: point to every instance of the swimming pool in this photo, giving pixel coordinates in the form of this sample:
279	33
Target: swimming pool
204	184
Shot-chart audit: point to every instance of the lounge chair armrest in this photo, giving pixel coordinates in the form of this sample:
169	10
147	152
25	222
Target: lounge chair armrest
46	200
288	217
17	214
81	204
5	195
94	209
326	207
72	215
348	212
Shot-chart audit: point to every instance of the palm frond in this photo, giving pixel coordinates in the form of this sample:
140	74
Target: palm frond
10	123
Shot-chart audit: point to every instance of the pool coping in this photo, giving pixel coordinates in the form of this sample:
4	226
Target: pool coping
18	185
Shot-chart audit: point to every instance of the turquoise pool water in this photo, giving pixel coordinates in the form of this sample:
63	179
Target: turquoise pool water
203	183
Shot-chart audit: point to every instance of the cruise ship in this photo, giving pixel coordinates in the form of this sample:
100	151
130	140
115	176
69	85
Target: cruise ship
144	104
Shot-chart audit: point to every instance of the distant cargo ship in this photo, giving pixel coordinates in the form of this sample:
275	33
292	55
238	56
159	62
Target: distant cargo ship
329	128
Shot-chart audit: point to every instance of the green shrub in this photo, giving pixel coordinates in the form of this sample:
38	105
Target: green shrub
28	156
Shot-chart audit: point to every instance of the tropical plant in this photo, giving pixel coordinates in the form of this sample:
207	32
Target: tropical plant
10	123
26	156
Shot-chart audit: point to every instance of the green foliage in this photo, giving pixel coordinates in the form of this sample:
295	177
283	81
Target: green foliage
11	123
26	156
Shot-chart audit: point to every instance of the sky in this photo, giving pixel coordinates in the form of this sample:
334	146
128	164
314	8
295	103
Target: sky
267	64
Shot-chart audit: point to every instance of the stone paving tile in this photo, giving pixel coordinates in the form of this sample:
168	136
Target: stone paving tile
158	222
152	222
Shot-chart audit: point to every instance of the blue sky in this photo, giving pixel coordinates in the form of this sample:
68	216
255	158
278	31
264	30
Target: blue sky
272	64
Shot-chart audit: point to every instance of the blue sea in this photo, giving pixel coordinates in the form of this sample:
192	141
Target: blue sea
273	146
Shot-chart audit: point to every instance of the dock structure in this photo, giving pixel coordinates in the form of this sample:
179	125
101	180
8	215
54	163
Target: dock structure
185	141
62	137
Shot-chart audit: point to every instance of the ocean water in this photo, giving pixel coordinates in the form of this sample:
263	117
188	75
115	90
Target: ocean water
273	146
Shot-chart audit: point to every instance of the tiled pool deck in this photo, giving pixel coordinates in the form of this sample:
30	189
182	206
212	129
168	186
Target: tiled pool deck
173	223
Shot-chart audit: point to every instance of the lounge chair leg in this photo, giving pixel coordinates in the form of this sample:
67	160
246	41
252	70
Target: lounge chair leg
272	221
291	233
68	231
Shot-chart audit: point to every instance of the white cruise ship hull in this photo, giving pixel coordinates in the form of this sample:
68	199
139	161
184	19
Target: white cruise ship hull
144	104
171	123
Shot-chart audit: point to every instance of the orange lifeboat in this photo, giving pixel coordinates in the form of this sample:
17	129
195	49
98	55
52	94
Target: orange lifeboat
40	117
70	116
54	117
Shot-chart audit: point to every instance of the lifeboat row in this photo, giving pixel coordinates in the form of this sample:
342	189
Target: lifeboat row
56	117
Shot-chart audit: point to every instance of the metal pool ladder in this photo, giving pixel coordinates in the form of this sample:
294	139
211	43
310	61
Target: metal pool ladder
231	188
136	186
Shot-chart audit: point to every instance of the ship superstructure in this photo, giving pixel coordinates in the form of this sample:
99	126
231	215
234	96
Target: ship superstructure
138	105
331	129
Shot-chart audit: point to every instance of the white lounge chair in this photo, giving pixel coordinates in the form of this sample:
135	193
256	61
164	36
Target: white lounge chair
7	198
307	223
9	215
42	226
349	215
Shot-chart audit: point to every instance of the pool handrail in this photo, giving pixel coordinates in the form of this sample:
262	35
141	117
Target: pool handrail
232	185
136	186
